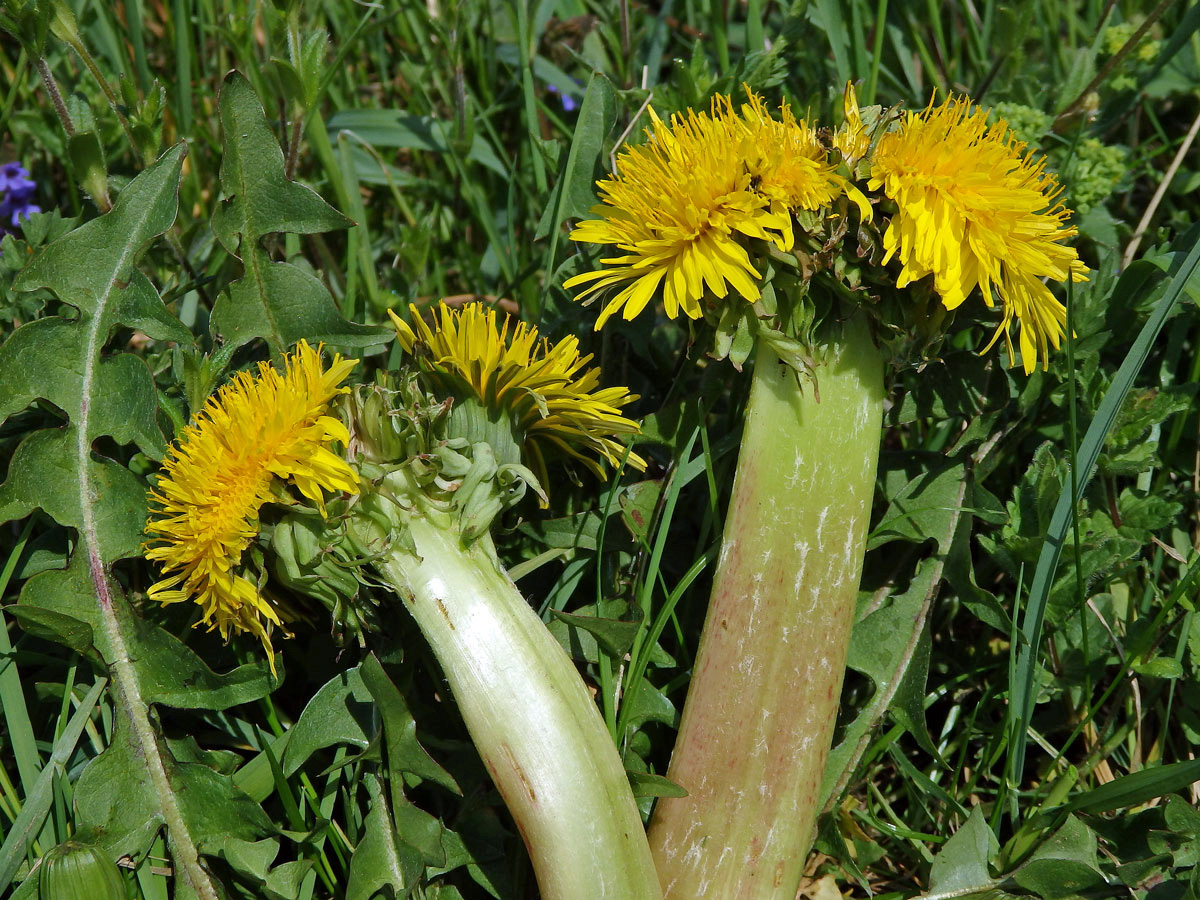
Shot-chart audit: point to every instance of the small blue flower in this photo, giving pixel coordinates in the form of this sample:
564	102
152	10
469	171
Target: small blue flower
16	202
569	103
15	177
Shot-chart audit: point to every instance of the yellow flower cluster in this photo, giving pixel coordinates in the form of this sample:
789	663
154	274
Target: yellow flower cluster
975	209
256	433
972	208
681	205
551	401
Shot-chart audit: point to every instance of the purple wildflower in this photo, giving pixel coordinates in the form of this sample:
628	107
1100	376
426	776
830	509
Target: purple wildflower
15	177
16	188
569	103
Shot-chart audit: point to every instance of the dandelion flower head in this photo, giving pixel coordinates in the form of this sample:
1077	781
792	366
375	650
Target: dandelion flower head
678	207
973	208
554	404
788	164
257	432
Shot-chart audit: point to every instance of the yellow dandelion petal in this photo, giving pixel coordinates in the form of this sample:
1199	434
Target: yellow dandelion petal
254	430
682	205
677	207
554	403
974	208
852	140
789	164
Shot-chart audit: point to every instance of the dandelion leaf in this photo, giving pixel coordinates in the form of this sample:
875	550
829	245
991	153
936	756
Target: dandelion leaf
341	712
282	304
59	361
117	796
275	301
381	860
44	474
404	753
60	366
1065	865
259	198
962	864
892	644
167	671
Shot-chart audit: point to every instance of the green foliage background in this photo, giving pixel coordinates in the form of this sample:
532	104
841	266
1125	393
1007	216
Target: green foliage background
1011	720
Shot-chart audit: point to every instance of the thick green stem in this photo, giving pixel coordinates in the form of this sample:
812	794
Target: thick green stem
762	704
530	715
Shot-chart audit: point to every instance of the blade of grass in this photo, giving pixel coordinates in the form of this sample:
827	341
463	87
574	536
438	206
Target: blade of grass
37	802
20	729
182	28
1024	683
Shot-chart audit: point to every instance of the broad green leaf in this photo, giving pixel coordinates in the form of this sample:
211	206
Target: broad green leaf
884	647
51	625
251	858
275	301
580	531
380	860
1181	816
122	384
1064	865
281	304
648	704
404	753
418	828
116	795
574	193
920	506
284	881
59	360
43	474
341	712
167	671
615	636
1054	879
962	863
93	267
908	706
259	199
646	785
136	786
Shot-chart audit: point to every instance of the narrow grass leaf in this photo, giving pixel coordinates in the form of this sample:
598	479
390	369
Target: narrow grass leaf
1024	685
37	802
1138	787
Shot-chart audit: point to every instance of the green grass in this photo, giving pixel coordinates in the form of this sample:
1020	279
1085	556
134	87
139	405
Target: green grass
1060	644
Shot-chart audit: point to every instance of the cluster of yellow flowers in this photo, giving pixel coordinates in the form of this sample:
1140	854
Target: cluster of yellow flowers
971	207
255	434
262	432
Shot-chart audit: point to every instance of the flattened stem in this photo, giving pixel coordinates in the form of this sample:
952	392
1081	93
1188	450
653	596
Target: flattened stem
759	716
531	718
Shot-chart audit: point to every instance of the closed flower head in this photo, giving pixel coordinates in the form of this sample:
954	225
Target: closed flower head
974	208
256	434
550	402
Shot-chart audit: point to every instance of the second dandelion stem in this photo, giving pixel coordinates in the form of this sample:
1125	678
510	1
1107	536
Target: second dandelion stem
762	704
529	714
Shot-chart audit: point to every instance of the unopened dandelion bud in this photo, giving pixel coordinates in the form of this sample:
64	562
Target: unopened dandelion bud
74	870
